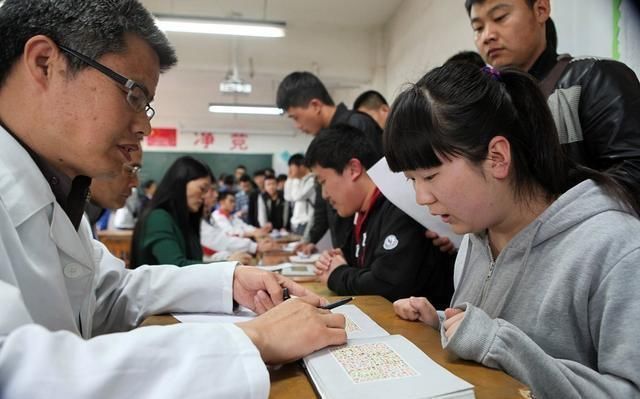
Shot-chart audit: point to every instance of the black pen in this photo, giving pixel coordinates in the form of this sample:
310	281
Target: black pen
337	303
285	294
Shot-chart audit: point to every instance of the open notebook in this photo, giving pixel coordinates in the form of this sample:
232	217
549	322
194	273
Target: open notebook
374	364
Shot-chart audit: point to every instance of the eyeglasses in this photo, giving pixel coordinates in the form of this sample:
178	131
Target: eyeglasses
133	171
137	96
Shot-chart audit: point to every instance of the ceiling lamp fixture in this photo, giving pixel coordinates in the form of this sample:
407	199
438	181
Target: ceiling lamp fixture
244	109
235	27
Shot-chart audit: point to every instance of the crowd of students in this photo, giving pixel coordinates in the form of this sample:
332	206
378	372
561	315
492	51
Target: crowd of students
534	157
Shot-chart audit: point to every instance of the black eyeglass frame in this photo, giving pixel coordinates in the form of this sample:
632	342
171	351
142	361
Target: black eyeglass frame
128	84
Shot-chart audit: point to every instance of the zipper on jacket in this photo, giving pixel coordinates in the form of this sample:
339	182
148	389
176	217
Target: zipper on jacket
492	266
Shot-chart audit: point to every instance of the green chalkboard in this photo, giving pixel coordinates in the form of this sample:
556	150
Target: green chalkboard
155	164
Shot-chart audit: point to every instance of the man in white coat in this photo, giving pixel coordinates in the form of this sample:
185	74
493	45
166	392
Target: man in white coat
76	80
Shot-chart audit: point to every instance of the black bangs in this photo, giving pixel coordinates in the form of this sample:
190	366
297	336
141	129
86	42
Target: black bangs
409	138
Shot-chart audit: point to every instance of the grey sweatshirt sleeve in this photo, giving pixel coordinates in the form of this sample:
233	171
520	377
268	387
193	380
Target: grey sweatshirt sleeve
497	343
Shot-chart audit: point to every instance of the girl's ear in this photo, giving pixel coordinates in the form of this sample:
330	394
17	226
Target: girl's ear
499	157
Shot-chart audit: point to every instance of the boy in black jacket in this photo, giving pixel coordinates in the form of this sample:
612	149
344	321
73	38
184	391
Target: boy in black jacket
386	253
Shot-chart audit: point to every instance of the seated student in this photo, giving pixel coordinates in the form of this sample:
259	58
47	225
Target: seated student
245	188
231	224
213	238
68	308
169	230
386	253
281	180
273	210
547	293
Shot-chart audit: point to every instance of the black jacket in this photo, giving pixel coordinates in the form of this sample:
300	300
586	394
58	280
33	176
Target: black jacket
596	105
398	261
324	216
277	211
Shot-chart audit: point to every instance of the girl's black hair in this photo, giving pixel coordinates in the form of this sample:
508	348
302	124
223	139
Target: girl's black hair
171	195
457	109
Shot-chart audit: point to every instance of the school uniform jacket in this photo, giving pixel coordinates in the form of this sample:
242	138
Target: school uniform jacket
393	259
64	298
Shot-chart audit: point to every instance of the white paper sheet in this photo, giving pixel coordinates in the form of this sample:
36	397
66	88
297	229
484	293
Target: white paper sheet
401	193
242	314
358	324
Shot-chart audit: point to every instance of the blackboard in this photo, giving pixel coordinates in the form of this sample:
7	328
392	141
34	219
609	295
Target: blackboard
155	164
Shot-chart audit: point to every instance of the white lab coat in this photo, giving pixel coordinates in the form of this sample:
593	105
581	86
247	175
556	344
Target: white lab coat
60	290
213	237
231	224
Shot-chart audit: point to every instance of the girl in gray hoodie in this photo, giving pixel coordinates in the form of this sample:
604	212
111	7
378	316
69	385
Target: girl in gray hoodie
550	290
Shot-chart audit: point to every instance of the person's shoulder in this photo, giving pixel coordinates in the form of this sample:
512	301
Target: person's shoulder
362	121
594	69
159	216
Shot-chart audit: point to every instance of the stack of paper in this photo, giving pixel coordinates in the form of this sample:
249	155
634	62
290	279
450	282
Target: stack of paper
374	364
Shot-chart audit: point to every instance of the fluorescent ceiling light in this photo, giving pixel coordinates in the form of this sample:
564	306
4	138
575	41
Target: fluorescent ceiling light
244	109
236	27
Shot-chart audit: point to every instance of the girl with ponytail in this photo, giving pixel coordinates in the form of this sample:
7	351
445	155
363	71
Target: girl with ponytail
549	290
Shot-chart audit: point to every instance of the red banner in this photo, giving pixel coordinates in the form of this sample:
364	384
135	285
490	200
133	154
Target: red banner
163	137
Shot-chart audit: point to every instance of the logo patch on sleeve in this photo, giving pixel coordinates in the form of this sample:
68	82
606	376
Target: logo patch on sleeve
390	242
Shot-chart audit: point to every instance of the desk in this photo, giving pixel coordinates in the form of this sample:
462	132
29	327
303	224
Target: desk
118	242
290	381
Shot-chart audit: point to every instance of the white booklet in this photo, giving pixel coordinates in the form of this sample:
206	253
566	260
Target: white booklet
401	193
374	364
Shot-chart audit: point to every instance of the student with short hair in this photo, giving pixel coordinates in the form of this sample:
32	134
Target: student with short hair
214	238
299	189
386	253
226	219
273	210
245	188
374	104
548	292
305	99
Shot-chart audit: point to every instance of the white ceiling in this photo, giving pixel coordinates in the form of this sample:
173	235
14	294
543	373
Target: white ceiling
344	14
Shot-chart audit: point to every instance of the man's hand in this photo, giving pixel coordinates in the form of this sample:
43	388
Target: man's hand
267	244
306	247
443	243
417	308
328	262
260	290
294	329
242	257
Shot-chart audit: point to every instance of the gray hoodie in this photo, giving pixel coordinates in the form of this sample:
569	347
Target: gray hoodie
561	309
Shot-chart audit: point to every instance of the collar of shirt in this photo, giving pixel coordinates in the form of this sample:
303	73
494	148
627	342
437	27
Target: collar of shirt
70	194
359	222
341	115
544	64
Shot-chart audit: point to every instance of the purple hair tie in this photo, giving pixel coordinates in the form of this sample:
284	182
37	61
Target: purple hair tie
492	72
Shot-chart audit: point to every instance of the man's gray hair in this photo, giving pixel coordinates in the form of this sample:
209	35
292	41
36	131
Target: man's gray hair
91	27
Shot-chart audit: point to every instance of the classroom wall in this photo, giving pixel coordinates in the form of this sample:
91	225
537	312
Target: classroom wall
421	36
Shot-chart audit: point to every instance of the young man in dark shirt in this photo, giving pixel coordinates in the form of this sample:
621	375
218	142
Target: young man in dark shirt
594	101
385	253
